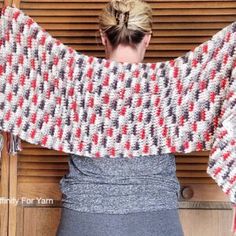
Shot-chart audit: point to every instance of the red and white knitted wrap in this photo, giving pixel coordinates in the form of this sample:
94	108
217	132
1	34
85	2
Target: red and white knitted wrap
55	97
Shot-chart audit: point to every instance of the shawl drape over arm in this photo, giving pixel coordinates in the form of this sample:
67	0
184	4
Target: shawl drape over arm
55	97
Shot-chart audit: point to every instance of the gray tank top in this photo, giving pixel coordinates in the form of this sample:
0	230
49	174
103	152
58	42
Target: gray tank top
120	185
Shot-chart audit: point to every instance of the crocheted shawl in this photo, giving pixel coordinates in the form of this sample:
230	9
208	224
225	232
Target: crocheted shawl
55	97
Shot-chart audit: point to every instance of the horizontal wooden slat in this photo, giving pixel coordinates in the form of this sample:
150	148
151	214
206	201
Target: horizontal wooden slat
155	5
192	174
42	158
205	205
40	172
155	48
160	12
149	1
194	167
188	180
163	33
38	152
41	165
194	18
194	154
191	160
156	40
159	26
157	19
149	53
38	179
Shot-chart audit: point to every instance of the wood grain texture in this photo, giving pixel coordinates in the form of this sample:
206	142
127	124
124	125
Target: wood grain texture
4	211
75	23
206	222
43	221
12	195
178	26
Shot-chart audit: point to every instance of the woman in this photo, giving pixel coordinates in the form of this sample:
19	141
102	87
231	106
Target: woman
121	196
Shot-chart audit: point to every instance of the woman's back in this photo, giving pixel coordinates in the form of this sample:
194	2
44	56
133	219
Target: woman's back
122	196
120	185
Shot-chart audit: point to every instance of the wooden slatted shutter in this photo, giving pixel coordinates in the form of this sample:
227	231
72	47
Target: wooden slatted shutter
179	26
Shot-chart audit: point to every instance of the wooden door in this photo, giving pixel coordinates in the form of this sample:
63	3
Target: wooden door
179	26
4	184
38	173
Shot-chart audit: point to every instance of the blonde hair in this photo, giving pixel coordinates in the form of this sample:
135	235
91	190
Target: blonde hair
126	21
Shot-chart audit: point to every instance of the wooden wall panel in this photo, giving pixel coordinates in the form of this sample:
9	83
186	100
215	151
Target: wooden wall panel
198	222
179	26
4	188
42	221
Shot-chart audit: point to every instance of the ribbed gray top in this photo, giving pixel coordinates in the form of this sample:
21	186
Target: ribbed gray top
120	185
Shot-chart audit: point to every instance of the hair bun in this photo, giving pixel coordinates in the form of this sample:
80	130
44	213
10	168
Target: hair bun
122	18
126	21
122	5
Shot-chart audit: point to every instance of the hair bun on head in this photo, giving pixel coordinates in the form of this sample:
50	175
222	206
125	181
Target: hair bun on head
122	18
122	10
126	21
122	5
